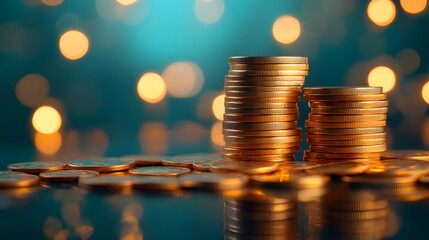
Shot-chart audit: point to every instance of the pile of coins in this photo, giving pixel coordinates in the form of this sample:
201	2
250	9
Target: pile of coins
261	112
346	124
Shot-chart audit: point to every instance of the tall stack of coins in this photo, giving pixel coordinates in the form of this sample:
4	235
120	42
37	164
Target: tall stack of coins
261	112
346	124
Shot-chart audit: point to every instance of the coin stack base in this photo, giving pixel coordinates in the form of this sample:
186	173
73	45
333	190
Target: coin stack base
261	112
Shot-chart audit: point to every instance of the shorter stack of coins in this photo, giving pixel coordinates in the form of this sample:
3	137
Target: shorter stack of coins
261	112
346	124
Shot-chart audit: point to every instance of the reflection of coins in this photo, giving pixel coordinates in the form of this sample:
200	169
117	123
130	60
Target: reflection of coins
67	175
305	180
346	118
406	154
144	160
275	133
367	179
36	167
343	168
260	118
214	181
17	180
354	149
247	167
160	171
101	164
268	59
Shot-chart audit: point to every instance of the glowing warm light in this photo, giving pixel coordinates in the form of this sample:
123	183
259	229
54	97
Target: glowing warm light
381	12
52	2
126	2
184	79
151	87
414	6
382	76
286	29
48	144
216	134
73	44
46	120
218	107
425	92
32	90
153	138
209	11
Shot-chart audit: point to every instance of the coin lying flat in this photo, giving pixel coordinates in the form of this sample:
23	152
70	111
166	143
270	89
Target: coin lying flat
275	133
363	104
214	181
262	111
342	168
327	137
17	180
406	154
146	160
367	179
101	164
346	118
346	98
246	167
278	66
160	171
268	59
36	167
66	175
203	166
186	161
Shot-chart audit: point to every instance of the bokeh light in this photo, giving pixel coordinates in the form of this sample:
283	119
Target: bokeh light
73	44
32	90
48	144
183	79
381	12
409	59
414	6
286	29
52	3
153	138
425	92
216	134
209	11
46	120
382	76
151	87
218	107
126	2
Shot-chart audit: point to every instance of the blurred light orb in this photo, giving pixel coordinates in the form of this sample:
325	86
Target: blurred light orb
425	92
32	89
151	87
414	6
217	135
126	2
382	76
46	120
409	60
381	12
48	144
183	79
52	3
218	107
209	11
286	29
73	44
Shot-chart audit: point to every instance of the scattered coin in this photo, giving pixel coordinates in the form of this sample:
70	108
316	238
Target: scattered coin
66	175
268	59
406	154
342	90
342	168
187	161
146	160
17	180
214	181
246	167
368	179
101	164
346	98
203	166
160	171
36	167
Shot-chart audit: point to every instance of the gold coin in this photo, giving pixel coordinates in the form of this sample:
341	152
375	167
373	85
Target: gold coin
186	160
354	149
342	168
292	166
346	98
353	216
268	72
263	83
262	146
258	94
244	215
266	102
290	152
369	104
290	66
160	171
264	78
306	180
36	167
311	124
358	142
17	180
345	131
214	181
325	161
67	175
295	89
262	140
246	167
146	160
267	59
270	158
406	154
262	111
338	111
101	164
342	90
260	118
341	155
275	133
203	166
357	205
399	167
259	126
346	137
368	179
347	118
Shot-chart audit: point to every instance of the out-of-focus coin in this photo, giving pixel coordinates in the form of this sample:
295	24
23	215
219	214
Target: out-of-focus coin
342	90
186	160
295	89
260	118
263	81
368	104
327	137
368	179
36	167
351	216
339	160
246	167
280	66
296	166
268	72
109	182
275	133
399	167
101	164
343	168
341	155
279	179
157	184
252	104
279	151
338	111
261	94
160	171
203	166
259	126
357	142
214	181
262	140
268	59
346	98
271	158
66	175
243	215
346	118
305	180
262	111
353	149
424	179
406	154
17	180
146	160
345	131
280	102
345	124
263	146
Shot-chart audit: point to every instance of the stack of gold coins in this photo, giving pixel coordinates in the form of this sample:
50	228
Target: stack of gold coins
346	124
261	112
